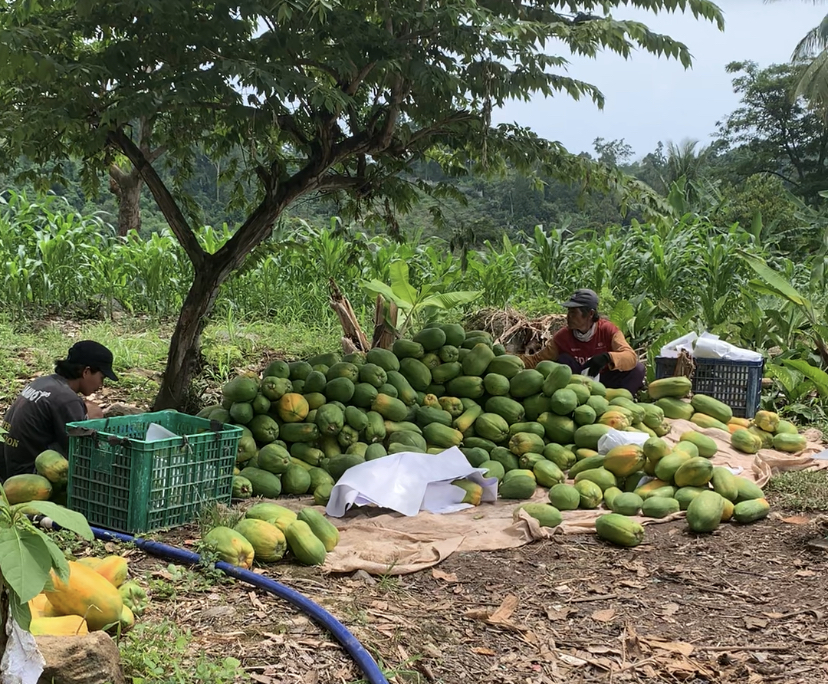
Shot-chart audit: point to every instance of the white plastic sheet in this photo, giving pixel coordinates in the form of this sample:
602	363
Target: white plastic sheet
409	482
615	438
22	662
708	346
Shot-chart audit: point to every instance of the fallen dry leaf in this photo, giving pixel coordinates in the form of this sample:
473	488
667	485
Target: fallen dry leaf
483	651
805	573
559	613
796	520
755	623
603	615
504	612
670	608
681	647
445	576
774	616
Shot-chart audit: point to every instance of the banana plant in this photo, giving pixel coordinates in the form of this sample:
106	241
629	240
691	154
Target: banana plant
415	304
771	283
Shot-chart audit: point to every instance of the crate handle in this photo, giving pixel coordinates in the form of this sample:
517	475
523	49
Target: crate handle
81	432
217	429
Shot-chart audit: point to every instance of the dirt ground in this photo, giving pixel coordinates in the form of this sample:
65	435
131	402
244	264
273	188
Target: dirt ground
746	604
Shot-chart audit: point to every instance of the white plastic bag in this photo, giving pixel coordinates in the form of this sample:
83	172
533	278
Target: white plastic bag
683	343
409	482
156	432
615	438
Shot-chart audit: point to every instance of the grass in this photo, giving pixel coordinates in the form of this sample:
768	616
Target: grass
140	348
158	652
803	491
214	515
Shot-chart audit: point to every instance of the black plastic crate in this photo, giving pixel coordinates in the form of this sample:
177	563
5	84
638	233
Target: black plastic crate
735	383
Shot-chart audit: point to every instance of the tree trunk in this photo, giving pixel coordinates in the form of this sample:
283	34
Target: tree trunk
127	188
184	358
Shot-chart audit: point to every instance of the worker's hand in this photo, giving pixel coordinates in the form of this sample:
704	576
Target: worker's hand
596	363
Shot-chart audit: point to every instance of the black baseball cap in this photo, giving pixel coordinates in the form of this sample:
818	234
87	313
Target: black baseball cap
92	354
582	298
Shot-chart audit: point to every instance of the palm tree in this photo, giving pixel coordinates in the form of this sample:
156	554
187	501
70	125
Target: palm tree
813	49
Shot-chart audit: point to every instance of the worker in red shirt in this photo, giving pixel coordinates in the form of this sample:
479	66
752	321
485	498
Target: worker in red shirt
592	343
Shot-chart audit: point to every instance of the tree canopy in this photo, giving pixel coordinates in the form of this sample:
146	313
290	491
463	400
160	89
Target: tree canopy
320	96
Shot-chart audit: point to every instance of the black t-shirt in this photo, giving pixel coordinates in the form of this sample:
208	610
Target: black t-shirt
36	421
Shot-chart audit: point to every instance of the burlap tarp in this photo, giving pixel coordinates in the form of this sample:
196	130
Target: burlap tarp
382	542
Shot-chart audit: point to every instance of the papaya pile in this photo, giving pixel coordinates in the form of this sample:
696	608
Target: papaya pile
96	596
48	484
307	422
268	531
765	431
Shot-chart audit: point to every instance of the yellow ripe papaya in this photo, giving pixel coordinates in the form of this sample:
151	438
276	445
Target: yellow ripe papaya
113	568
39	607
65	625
127	618
727	510
86	594
624	460
615	419
292	408
766	420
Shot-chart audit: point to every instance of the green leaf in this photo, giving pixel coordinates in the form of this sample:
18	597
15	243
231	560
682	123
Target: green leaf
59	564
786	377
400	286
448	300
377	287
777	283
69	520
816	375
20	610
24	561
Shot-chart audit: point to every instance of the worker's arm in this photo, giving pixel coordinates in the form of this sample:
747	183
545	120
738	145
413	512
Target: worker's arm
548	353
622	356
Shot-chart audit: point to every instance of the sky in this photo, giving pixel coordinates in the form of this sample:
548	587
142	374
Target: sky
650	99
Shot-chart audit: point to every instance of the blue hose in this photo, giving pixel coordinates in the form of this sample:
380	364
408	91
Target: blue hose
349	642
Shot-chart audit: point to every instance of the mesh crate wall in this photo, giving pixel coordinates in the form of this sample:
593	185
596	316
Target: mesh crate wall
735	383
121	482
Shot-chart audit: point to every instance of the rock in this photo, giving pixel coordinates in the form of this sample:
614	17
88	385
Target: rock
364	577
89	659
119	409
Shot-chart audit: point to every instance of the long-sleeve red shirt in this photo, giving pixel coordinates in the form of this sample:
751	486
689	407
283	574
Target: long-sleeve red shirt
607	338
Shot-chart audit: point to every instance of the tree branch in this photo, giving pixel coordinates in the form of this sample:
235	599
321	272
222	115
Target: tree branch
783	177
166	202
353	86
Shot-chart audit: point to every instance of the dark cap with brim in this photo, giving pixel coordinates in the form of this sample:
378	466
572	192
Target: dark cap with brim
92	354
582	299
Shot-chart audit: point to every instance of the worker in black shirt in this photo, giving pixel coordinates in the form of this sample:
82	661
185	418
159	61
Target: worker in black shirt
36	421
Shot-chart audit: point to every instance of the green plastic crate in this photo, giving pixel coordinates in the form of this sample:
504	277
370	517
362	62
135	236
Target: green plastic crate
123	483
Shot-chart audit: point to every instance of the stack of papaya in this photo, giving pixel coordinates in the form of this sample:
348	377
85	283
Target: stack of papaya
305	423
47	484
95	596
268	531
765	431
